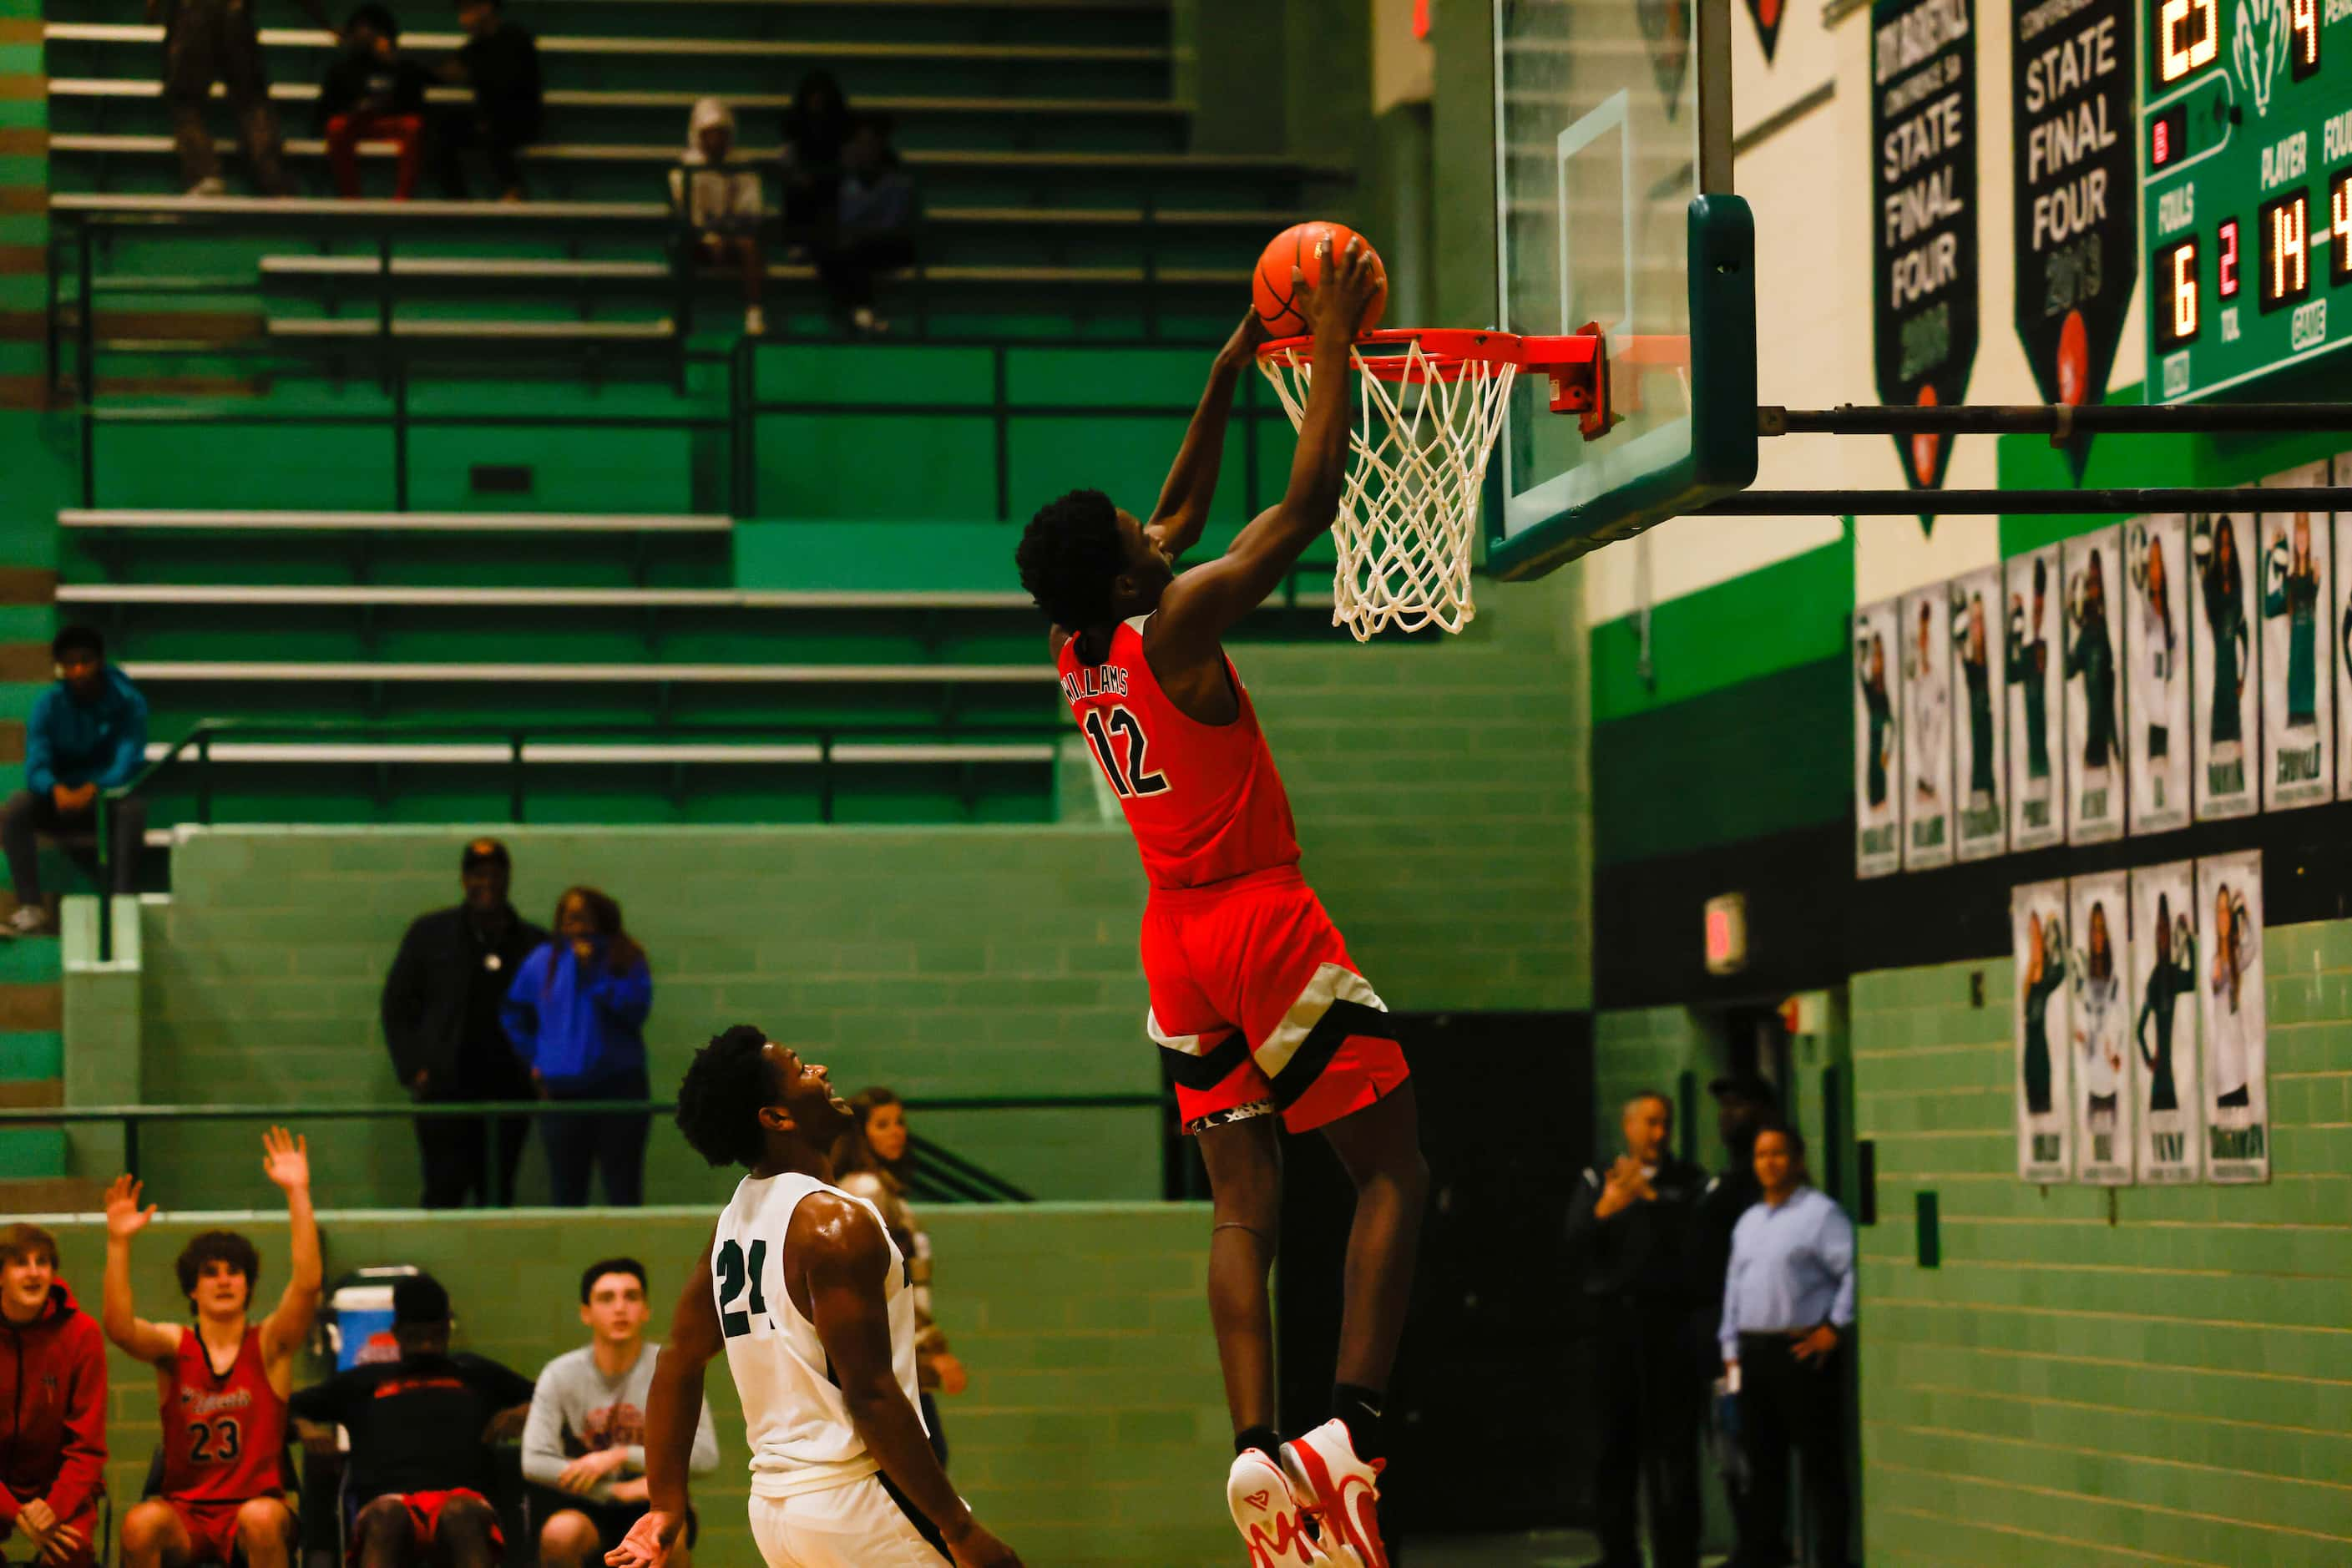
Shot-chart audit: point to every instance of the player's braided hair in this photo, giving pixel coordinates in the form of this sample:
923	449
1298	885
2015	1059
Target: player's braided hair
1069	555
719	1102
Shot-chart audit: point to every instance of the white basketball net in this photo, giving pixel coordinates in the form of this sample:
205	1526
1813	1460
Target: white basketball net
1410	508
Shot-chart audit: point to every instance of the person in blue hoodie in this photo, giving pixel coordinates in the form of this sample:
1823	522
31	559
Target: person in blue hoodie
576	1014
88	733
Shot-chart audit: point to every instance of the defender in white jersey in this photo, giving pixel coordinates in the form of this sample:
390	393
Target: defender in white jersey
803	1289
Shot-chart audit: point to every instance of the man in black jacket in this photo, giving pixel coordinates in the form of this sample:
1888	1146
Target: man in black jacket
441	1021
1743	1103
1629	1235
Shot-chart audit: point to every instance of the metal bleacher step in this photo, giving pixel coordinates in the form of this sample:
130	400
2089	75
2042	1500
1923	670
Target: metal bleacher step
466	330
512	270
559	45
534	598
659	754
291	671
983	160
137	521
903	106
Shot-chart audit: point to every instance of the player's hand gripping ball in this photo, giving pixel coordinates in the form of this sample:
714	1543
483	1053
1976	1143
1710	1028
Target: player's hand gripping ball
1295	247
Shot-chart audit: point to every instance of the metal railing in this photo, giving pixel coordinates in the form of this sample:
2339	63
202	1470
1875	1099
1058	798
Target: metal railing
940	1174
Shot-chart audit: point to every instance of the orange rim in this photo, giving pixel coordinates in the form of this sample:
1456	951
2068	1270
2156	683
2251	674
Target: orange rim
1448	353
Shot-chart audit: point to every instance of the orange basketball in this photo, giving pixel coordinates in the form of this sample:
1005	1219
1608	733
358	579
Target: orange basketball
1270	290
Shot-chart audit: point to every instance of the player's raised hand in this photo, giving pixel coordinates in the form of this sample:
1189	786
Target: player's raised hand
648	1541
1336	301
124	1217
285	1159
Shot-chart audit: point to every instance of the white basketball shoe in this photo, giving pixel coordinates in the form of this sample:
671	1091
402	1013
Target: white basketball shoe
1341	1490
1272	1522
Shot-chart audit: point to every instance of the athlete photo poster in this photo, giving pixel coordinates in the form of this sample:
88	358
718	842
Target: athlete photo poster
2237	1065
2099	915
1979	766
2298	595
1924	622
2045	1121
2339	635
2093	625
2226	699
2034	676
2156	651
1877	740
2163	998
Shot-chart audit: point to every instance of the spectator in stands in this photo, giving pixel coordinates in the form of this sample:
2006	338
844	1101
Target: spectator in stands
500	63
871	1161
441	1019
221	1382
815	130
1787	1310
421	1429
88	733
371	94
586	1435
208	41
718	204
576	1011
52	1407
874	232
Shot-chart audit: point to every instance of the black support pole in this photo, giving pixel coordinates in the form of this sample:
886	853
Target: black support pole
2056	419
2032	503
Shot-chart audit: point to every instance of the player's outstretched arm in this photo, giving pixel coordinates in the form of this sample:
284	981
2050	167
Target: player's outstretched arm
673	1410
1183	510
117	1315
846	1260
286	1160
1200	607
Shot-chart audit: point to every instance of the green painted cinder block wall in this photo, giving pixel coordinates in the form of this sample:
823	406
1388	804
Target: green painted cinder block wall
2157	1382
1093	1433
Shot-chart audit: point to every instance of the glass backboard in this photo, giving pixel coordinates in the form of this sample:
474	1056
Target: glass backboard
1613	121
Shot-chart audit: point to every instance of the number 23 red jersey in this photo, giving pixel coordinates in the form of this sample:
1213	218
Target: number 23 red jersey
224	1437
1204	801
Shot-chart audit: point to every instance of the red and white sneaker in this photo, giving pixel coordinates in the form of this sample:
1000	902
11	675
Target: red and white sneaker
1273	1524
1342	1490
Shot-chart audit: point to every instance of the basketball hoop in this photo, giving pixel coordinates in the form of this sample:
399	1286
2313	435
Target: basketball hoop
1432	403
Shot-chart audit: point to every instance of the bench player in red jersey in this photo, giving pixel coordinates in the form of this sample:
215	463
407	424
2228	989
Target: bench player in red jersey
223	1379
1256	1005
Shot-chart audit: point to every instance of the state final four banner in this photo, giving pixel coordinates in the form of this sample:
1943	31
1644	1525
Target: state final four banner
2033	665
1877	740
2099	916
2156	648
2299	759
1979	766
2165	1007
2040	1019
2227	687
2236	1019
2093	625
1925	625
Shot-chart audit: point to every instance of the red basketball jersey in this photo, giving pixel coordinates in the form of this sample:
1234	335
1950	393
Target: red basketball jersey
224	1437
1204	799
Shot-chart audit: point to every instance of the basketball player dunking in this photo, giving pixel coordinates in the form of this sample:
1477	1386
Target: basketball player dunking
1254	1000
807	1293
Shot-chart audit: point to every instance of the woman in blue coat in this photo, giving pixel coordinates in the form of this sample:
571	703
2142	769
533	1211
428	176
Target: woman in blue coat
576	1014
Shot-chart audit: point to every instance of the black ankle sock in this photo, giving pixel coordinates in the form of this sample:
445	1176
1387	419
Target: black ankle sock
1265	1439
1360	1409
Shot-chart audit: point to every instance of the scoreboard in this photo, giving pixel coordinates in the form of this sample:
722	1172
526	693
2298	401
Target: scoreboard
2246	157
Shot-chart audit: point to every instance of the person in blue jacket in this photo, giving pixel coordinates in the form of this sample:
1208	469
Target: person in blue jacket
88	733
576	1014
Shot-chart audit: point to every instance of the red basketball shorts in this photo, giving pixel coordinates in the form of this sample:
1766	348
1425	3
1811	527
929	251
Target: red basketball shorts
1258	1007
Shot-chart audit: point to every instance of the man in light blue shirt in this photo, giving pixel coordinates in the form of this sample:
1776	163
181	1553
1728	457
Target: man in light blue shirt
1788	1309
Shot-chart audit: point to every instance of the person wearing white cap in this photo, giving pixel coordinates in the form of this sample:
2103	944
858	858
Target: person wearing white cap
719	204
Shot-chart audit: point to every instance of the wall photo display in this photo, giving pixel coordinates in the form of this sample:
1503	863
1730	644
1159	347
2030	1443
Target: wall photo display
2165	1007
1924	622
2099	917
2227	690
2156	651
2338	632
2236	1037
2041	1028
2297	594
2033	666
2093	627
1877	740
1980	761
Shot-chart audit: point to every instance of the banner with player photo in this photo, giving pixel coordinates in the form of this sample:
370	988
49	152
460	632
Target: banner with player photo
2339	635
1877	741
1979	776
2228	699
1925	626
2099	915
2034	680
2237	1064
2164	998
2298	684
2156	651
2046	1124
2094	700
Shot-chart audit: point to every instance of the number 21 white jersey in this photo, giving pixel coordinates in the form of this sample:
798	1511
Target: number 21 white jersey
801	1435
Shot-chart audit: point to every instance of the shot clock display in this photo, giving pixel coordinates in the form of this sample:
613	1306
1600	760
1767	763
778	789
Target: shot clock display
2246	157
